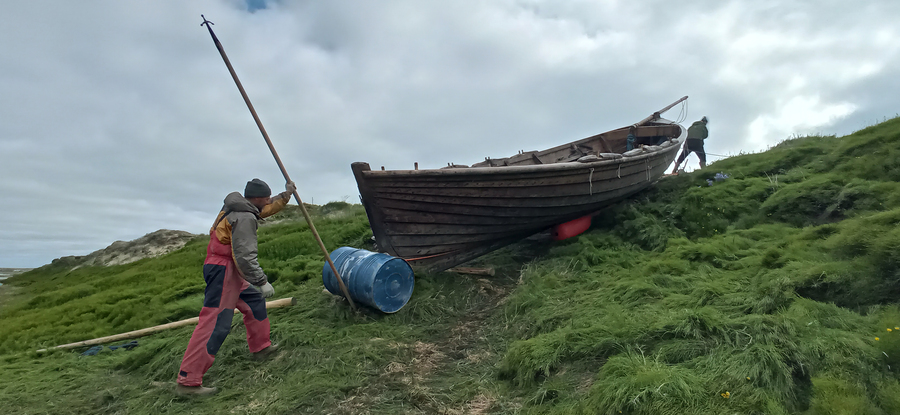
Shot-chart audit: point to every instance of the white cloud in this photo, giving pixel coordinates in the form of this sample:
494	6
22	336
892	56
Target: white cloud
797	116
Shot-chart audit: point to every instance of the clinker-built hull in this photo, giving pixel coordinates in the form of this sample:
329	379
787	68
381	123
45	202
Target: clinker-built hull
435	219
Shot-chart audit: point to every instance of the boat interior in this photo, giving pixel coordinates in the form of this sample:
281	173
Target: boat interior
615	141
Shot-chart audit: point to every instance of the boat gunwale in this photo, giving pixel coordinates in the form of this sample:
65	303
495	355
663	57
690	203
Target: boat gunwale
562	166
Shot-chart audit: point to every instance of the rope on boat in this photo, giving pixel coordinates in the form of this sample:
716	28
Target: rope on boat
425	257
683	114
647	163
590	181
429	256
619	171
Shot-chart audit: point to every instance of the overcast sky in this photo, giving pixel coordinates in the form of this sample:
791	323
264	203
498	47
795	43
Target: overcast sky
119	118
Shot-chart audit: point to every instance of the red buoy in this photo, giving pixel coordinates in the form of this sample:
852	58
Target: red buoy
571	228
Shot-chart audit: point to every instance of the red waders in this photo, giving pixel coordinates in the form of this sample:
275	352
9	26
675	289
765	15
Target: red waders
225	290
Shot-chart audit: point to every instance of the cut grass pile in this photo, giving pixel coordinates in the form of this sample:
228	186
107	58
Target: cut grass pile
774	291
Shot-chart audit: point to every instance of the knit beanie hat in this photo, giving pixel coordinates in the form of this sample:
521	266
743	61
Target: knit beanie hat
257	188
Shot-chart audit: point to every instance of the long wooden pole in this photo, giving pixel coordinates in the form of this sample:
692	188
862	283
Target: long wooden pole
265	135
284	302
473	271
656	114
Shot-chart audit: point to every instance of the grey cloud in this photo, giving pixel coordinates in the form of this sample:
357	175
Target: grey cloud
121	119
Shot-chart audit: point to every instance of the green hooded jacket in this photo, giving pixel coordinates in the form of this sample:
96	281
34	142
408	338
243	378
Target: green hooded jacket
698	130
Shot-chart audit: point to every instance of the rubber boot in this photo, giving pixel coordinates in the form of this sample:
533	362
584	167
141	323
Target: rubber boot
266	353
194	390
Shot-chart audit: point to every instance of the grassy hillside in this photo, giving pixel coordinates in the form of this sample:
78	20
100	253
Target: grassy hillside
772	292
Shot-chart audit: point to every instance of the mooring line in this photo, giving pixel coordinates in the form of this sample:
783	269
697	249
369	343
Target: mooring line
590	181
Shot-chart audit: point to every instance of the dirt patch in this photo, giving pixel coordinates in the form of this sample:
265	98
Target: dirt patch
421	378
481	405
465	345
356	404
252	406
428	357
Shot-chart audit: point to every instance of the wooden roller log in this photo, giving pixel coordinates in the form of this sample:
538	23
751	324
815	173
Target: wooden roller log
284	302
473	271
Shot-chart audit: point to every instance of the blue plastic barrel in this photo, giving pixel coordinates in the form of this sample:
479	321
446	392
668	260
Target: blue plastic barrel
378	280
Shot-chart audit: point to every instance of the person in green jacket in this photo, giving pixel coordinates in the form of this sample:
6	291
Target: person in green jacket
697	132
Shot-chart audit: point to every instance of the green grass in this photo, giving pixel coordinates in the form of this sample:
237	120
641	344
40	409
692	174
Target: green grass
772	292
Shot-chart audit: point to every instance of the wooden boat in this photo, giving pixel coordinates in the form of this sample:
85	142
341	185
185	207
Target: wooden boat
438	218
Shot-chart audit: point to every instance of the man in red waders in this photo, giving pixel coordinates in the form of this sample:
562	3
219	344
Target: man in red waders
233	279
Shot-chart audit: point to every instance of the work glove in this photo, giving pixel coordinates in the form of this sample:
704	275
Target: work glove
266	290
290	187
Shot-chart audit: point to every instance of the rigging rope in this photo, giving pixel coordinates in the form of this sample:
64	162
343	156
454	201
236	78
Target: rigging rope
682	114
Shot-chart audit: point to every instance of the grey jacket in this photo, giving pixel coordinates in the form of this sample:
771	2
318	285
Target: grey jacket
243	218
